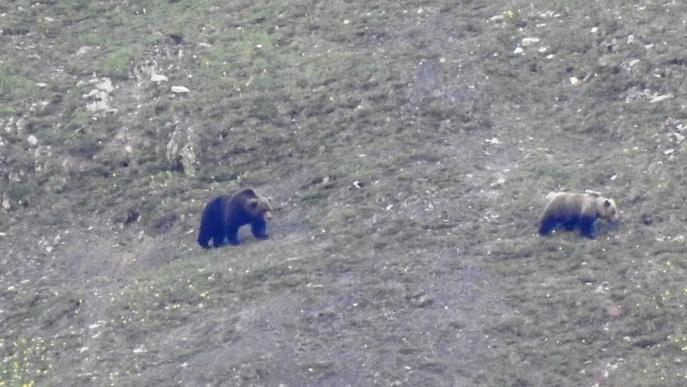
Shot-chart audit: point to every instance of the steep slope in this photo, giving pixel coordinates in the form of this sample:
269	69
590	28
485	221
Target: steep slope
407	147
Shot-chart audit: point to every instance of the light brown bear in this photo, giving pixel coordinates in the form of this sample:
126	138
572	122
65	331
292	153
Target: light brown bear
224	215
576	210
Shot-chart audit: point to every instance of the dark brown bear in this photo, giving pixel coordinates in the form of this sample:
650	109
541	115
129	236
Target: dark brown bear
576	210
224	215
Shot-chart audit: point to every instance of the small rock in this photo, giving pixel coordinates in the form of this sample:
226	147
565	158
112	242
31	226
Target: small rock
660	98
32	140
518	50
82	50
615	311
132	216
176	38
499	181
180	89
105	84
157	78
529	41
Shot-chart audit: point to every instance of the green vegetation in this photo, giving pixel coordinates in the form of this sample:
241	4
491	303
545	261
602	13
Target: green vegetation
407	148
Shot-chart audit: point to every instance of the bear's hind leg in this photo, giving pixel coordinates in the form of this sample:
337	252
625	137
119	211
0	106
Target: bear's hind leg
218	238
204	241
547	224
205	234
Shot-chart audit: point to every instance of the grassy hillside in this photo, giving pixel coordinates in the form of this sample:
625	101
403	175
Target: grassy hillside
407	148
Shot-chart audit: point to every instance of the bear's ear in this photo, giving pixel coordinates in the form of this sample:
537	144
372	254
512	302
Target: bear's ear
607	203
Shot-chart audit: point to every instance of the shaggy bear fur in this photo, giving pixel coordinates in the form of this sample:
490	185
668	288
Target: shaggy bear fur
576	210
224	215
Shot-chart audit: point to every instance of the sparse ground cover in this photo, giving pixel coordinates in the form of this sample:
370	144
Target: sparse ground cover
407	147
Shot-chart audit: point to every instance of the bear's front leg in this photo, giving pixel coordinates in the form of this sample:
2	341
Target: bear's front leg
587	227
259	229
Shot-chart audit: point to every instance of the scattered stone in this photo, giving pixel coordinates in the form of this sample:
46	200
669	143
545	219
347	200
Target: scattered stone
518	50
660	98
158	78
181	154
176	38
499	181
83	49
105	84
100	96
32	140
529	41
615	311
132	216
420	300
180	89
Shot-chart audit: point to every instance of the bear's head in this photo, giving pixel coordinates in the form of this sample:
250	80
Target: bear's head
258	207
606	209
